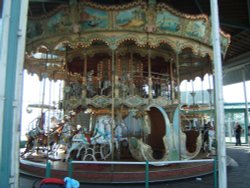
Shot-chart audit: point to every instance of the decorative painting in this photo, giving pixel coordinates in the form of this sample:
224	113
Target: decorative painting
167	22
91	18
224	43
134	18
135	21
34	29
196	29
60	22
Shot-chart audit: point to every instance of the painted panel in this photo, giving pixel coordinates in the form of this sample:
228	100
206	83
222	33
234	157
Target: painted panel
91	18
60	22
224	43
167	22
34	29
196	29
69	22
134	18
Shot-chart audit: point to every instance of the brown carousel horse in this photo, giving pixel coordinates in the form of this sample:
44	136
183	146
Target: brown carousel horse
61	133
37	139
35	135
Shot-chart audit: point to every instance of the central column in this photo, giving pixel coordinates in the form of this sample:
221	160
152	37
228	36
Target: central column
113	95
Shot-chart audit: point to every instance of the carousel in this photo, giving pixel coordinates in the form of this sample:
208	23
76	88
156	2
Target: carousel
121	67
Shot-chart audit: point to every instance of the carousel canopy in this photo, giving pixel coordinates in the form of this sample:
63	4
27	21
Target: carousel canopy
234	19
72	31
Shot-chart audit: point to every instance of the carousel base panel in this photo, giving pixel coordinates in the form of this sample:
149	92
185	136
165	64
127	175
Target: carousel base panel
103	173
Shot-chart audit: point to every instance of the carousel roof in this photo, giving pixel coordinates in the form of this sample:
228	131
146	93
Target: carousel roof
234	19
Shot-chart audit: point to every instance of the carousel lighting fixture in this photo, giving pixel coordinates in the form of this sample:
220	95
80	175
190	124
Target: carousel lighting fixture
88	111
28	110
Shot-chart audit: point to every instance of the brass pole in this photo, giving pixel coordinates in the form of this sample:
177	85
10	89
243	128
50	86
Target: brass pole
172	82
178	78
84	78
179	102
149	76
113	100
131	81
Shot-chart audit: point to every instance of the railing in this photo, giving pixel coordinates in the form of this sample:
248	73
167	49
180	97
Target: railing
146	163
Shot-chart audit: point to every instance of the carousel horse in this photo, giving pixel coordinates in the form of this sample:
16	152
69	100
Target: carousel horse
90	84
62	137
208	138
50	141
101	136
34	137
35	144
105	88
100	142
79	141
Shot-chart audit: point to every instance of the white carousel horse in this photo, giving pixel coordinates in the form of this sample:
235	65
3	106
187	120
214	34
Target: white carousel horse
211	138
90	84
79	141
102	136
63	139
106	86
101	141
208	138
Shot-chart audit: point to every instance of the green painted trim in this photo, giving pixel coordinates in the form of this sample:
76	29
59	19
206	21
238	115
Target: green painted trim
5	152
215	172
70	168
48	170
238	103
246	125
146	174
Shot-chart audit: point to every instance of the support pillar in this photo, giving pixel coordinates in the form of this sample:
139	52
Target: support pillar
219	103
12	48
246	105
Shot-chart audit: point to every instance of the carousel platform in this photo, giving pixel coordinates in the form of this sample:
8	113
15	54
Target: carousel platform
114	173
240	167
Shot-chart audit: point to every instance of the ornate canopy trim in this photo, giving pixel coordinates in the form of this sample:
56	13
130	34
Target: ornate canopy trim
147	25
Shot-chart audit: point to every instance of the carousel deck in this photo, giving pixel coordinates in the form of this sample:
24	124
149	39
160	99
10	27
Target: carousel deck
118	173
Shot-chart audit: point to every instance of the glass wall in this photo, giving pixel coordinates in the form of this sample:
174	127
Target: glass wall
233	117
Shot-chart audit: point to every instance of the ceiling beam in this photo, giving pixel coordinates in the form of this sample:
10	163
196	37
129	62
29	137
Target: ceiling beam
248	10
48	1
199	6
241	59
234	25
44	8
